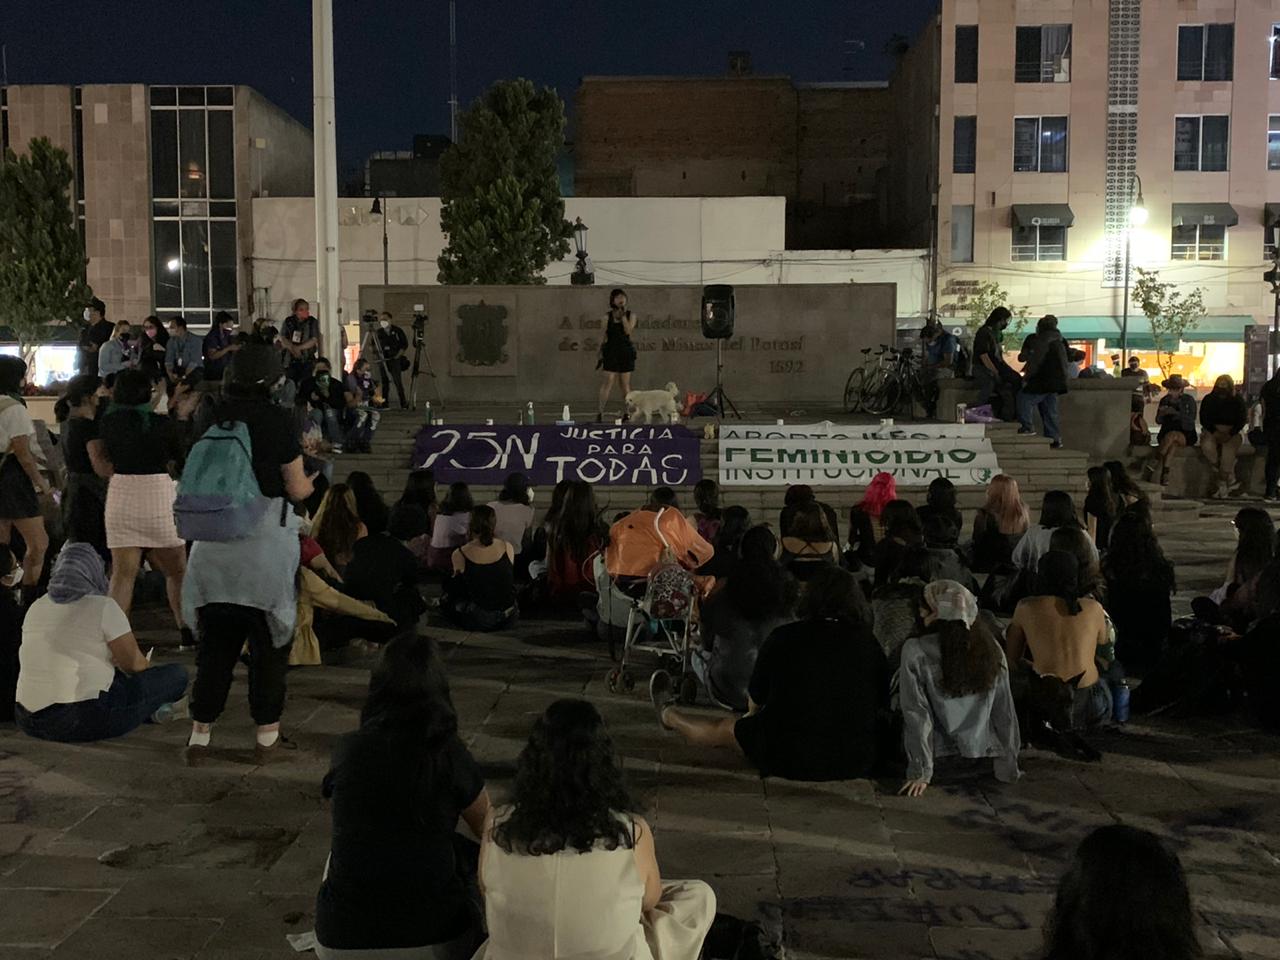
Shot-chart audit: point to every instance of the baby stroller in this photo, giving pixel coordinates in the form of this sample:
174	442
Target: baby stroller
661	621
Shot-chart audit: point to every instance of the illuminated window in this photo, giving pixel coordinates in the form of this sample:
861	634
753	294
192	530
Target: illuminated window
1040	144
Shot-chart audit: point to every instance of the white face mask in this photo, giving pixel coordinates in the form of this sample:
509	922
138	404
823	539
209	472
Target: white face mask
10	579
384	324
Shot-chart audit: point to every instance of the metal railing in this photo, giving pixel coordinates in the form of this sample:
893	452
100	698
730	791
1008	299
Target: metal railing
1198	251
1041	251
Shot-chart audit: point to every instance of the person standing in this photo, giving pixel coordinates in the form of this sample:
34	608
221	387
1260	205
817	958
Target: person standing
84	502
392	343
152	348
21	484
617	353
96	332
117	353
990	372
1271	431
183	353
1044	378
299	338
220	345
1222	416
1176	415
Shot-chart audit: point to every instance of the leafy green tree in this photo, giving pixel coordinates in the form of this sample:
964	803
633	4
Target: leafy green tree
501	207
978	303
1170	314
41	256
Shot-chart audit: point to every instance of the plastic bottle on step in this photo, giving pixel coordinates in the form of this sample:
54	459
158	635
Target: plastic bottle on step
564	414
528	413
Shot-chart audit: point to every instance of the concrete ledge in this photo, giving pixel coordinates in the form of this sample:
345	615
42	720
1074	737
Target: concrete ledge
1191	476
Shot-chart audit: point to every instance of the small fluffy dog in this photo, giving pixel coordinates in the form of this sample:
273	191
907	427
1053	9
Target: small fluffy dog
648	403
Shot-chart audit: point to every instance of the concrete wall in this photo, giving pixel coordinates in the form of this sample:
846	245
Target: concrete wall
913	151
40	111
117	187
632	242
791	343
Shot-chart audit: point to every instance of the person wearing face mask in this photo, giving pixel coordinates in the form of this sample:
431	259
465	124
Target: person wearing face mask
183	353
326	401
96	332
362	399
220	345
118	353
151	348
393	343
84	503
299	338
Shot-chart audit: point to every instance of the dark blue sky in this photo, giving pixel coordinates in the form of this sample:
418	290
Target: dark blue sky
392	55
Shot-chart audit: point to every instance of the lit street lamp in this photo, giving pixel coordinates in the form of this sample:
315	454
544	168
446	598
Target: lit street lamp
582	274
1137	217
380	208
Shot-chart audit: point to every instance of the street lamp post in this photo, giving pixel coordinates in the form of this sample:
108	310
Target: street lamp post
381	208
582	275
1137	217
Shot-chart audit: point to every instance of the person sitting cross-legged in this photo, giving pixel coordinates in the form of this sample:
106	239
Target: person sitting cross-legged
481	595
819	693
954	690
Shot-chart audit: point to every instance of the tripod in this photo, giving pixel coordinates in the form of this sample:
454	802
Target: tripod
718	395
420	354
371	350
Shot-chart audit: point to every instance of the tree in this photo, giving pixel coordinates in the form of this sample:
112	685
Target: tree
41	255
1170	314
500	191
979	302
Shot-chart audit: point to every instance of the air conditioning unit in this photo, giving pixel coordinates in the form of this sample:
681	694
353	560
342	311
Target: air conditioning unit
1062	69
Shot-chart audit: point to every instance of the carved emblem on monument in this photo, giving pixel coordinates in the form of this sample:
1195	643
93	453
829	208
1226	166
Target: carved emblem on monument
482	334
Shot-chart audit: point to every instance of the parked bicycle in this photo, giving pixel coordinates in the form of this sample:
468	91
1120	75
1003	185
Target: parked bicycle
886	378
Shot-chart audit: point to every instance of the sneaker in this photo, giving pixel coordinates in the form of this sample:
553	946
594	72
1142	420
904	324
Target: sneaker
1235	485
1271	495
1056	445
264	755
336	448
178	710
187	639
1025	432
1220	492
660	694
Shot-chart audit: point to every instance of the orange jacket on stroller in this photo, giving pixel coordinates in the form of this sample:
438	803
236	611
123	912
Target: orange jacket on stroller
638	541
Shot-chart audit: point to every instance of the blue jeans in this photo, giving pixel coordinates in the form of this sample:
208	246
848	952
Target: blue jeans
1047	404
126	704
327	421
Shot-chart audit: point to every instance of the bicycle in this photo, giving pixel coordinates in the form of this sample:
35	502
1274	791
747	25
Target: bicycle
879	388
865	380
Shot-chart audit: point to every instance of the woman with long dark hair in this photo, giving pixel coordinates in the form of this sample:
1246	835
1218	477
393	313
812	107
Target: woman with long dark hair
420	493
902	531
1254	549
84	502
1056	510
399	877
1077	542
1065	636
21	485
1124	897
617	352
758	596
896	604
574	537
370	506
735	521
1140	585
481	594
1126	489
152	348
954	691
940	501
708	516
1101	506
451	526
337	525
569	869
811	543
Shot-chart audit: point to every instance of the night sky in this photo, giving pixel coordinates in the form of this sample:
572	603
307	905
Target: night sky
392	55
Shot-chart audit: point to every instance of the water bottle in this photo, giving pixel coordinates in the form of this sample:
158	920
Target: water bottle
1120	701
528	411
427	408
522	418
564	414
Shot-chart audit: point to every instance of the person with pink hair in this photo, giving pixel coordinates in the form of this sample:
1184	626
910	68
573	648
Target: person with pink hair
863	533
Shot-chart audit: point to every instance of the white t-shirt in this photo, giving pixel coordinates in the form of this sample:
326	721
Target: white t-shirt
15	421
513	519
64	656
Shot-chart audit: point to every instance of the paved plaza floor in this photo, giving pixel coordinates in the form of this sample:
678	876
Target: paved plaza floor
116	850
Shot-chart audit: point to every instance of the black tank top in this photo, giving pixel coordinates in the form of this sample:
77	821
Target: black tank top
490	586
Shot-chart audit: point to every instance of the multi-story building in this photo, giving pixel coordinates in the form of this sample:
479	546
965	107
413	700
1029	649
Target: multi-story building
164	178
1030	127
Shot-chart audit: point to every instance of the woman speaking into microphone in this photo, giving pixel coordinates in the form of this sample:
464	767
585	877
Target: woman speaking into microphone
617	353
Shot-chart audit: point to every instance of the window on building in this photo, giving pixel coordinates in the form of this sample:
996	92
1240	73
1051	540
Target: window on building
1275	51
1043	54
1040	144
966	53
193	201
1206	51
962	233
1273	142
1201	143
1199	242
1039	243
965	151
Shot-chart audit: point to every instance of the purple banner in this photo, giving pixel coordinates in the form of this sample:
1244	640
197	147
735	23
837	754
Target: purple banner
647	456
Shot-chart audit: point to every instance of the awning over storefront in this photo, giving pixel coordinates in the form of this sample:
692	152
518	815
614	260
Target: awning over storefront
1204	215
1043	215
1271	214
1228	329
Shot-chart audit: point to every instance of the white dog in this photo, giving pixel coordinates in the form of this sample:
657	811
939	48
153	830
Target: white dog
647	403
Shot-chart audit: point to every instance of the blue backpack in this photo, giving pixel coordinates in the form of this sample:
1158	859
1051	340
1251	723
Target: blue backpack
219	498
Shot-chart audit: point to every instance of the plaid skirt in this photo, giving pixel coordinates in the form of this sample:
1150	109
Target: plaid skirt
140	511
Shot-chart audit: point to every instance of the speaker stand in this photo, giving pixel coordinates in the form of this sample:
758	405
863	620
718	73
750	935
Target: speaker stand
718	395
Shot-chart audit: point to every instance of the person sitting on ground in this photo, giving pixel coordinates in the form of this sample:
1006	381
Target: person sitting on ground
901	532
639	541
1065	636
576	533
954	690
737	619
336	526
481	595
811	543
81	676
538	545
383	572
420	491
1222	417
1101	506
370	506
708	517
450	530
797	496
341	618
941	501
818	696
735	521
514	511
1176	415
1140	585
362	414
864	519
1254	550
999	525
1075	541
1127	491
940	540
1056	510
569	869
325	400
896	604
1124	897
399	879
313	558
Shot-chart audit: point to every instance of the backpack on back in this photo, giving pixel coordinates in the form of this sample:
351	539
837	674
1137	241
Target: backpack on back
219	498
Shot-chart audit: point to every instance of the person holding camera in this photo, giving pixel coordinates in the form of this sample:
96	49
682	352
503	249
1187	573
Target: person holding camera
392	343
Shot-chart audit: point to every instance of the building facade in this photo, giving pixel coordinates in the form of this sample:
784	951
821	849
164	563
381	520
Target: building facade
822	146
1052	116
164	179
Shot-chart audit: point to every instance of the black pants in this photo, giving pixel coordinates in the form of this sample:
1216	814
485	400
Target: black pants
1273	462
392	366
224	629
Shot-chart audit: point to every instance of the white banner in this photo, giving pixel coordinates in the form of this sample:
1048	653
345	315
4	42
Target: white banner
825	454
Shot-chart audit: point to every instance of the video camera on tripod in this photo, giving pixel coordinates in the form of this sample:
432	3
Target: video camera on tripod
419	330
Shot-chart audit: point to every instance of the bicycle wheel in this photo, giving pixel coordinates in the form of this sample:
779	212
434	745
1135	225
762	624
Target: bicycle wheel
885	400
871	384
853	390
